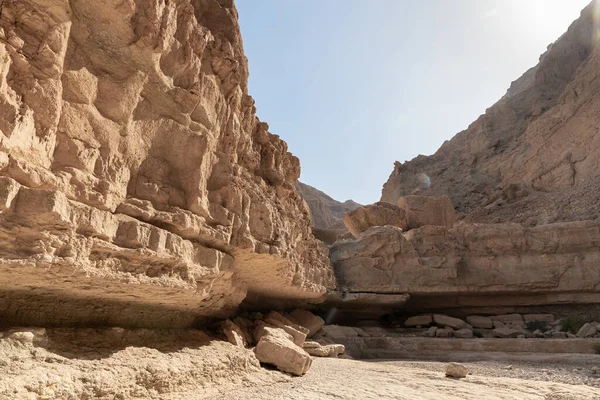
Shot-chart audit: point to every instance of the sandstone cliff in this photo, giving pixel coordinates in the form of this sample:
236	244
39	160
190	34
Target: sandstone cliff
538	144
135	175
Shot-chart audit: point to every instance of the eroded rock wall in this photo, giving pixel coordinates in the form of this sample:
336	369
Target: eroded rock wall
542	135
134	169
485	265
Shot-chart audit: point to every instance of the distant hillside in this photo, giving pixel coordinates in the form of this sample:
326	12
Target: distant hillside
325	212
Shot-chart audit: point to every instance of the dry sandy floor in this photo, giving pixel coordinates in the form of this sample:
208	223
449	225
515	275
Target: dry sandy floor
348	379
117	364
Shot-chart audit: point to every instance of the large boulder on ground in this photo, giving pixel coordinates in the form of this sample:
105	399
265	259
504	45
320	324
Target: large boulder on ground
308	320
427	210
275	348
298	332
587	330
378	214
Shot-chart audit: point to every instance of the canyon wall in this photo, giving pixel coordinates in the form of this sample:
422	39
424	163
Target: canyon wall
541	139
135	176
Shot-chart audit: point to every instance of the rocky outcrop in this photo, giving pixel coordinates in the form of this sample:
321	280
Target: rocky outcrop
134	174
539	144
378	214
425	210
325	212
475	265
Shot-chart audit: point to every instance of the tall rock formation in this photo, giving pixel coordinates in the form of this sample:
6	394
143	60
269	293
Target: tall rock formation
134	172
540	139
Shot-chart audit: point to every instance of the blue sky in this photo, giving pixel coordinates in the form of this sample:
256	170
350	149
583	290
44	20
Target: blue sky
354	85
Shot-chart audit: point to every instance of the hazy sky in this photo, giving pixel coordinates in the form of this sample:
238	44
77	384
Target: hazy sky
354	85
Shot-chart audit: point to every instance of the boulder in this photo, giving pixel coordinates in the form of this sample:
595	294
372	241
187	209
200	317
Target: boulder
506	332
276	348
427	210
446	321
419	320
444	332
477	321
455	370
431	332
514	320
308	320
329	350
559	335
296	331
463	334
378	214
587	330
234	334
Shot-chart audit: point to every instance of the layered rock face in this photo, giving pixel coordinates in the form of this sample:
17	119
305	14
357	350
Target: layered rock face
474	265
537	147
134	172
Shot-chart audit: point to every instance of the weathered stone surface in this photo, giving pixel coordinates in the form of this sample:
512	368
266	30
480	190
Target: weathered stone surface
533	156
506	332
426	210
325	212
274	347
308	320
475	264
378	214
234	334
329	350
135	173
478	321
587	330
455	370
431	332
446	321
296	331
444	332
419	320
463	334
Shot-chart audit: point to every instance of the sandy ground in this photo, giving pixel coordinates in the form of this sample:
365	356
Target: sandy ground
349	379
117	364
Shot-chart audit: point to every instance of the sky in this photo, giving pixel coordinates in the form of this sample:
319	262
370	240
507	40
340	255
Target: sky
354	85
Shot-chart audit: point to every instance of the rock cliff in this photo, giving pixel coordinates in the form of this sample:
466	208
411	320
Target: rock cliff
134	173
325	212
538	144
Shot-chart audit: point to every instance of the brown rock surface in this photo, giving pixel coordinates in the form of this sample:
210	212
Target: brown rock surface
274	347
427	210
474	264
533	156
378	214
325	212
134	172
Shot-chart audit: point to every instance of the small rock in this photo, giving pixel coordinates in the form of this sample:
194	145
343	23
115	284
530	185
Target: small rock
455	370
521	336
423	320
506	333
444	332
478	321
463	334
446	321
571	336
587	330
431	332
508	367
559	335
